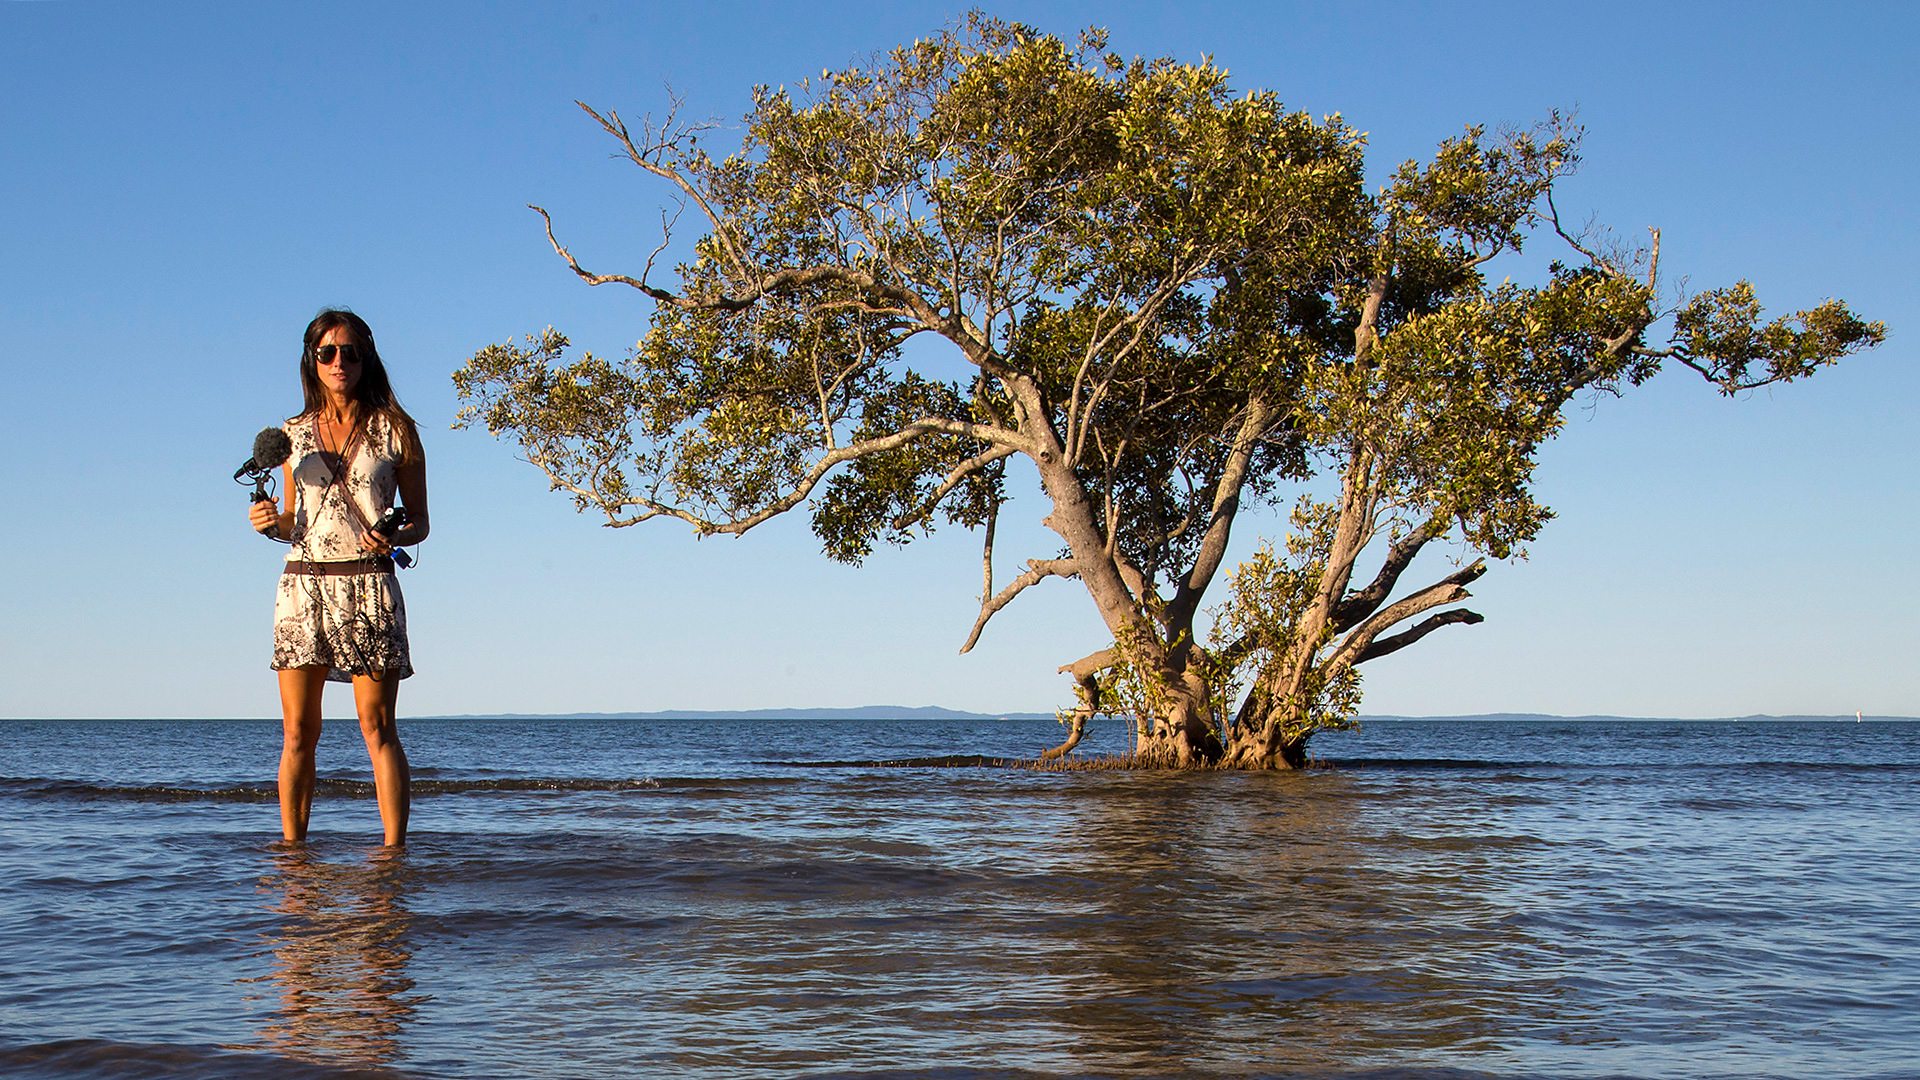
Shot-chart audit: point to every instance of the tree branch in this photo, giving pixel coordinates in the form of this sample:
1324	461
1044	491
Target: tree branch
651	508
590	278
1445	591
1038	570
1368	331
1395	642
953	479
1085	672
1226	506
663	138
1090	664
1364	602
986	553
791	278
1553	216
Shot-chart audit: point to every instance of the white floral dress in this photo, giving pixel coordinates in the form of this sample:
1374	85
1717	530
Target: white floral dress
354	623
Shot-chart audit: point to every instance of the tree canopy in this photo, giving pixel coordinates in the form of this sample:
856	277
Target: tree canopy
1178	302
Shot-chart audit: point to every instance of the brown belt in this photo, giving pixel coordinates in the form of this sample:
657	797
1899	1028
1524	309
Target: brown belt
379	564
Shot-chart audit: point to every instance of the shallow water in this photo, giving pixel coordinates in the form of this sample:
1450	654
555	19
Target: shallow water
600	898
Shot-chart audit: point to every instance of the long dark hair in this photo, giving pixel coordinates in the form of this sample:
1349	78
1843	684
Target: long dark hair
373	392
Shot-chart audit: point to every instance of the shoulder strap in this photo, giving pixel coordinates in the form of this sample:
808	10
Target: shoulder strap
336	476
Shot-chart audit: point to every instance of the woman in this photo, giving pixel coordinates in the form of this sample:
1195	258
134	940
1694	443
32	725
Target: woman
338	614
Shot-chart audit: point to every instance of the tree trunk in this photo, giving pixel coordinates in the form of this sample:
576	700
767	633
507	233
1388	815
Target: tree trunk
1257	750
1180	738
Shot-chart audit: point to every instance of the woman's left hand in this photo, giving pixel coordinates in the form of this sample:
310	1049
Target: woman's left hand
375	544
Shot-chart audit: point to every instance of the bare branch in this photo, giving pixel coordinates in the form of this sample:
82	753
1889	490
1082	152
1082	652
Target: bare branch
953	479
755	284
1352	528
791	278
1086	691
1076	730
1553	215
1447	590
1038	570
1254	425
1131	576
1136	326
986	552
666	237
659	140
1090	664
1364	602
1396	642
649	508
599	279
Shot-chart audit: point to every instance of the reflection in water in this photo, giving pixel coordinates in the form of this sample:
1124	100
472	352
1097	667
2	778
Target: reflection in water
1257	927
1126	923
1718	910
339	951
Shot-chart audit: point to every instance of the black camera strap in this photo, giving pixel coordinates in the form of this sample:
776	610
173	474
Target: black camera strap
337	473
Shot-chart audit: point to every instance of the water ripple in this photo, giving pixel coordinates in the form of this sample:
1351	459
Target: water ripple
1651	908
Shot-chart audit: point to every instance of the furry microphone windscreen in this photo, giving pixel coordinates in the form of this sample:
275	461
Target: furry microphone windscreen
270	448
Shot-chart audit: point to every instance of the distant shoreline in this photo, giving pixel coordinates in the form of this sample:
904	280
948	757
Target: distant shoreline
935	712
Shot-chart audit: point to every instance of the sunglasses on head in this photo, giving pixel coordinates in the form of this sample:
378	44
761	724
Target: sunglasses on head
345	354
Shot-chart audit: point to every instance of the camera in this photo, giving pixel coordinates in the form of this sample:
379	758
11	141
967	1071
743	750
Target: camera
389	524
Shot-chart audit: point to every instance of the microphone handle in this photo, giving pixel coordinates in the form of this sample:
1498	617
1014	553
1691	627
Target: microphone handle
271	532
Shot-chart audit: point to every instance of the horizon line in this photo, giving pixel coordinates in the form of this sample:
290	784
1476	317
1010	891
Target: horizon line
938	712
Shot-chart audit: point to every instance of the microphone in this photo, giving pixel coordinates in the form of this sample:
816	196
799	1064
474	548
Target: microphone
270	448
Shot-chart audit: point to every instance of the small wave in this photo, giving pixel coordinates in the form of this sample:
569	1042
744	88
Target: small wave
84	1059
1481	765
943	761
565	784
81	790
1463	764
1831	766
1356	987
268	791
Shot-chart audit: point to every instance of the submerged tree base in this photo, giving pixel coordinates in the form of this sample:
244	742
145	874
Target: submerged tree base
1156	763
1100	763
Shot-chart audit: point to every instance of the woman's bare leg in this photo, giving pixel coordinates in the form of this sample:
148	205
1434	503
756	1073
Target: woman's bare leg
375	701
300	734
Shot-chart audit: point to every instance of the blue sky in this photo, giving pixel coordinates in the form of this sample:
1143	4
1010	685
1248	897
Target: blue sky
184	185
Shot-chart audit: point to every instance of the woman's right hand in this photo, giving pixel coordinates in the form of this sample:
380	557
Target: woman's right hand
264	515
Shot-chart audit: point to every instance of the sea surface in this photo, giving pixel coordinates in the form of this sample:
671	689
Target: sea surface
585	898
